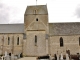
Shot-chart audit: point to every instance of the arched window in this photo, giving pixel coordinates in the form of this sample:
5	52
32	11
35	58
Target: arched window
35	40
8	40
79	41
34	11
18	41
61	42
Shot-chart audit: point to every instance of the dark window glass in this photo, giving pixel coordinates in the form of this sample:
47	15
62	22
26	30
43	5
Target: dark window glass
79	41
35	40
18	41
8	40
61	42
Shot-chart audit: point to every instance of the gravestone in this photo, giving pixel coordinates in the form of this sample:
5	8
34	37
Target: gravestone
2	58
50	56
79	56
67	56
18	56
12	56
57	56
61	58
7	57
5	53
15	58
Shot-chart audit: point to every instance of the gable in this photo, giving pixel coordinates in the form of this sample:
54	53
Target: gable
36	25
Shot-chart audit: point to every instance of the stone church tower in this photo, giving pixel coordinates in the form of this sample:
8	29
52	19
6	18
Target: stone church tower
36	29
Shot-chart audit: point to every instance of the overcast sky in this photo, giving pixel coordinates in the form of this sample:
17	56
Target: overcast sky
12	11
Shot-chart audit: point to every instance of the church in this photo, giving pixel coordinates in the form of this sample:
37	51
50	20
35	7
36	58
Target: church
38	37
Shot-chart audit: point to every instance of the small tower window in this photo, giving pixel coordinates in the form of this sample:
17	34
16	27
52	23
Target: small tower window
18	41
35	40
8	40
36	19
61	42
79	41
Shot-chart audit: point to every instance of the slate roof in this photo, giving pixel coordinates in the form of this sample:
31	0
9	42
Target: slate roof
54	28
64	28
40	9
11	28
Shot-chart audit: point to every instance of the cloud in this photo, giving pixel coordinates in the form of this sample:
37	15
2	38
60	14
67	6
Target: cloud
3	14
12	11
1	5
78	11
10	14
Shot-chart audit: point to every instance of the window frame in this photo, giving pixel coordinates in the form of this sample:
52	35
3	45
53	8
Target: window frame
8	40
79	41
61	42
35	40
18	40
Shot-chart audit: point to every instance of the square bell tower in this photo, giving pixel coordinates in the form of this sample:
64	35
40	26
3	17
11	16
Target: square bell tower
36	29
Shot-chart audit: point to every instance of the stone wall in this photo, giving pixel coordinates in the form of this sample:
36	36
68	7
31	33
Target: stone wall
40	48
11	45
69	43
24	47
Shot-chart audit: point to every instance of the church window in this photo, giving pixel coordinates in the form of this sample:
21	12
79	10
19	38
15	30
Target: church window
8	40
34	11
36	19
61	42
18	41
79	41
35	40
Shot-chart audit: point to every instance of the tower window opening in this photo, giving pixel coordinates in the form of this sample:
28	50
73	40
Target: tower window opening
36	19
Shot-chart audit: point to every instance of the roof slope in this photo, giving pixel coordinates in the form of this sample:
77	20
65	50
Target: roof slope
40	9
11	28
64	28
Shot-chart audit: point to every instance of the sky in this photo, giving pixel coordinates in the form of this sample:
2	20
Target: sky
12	11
